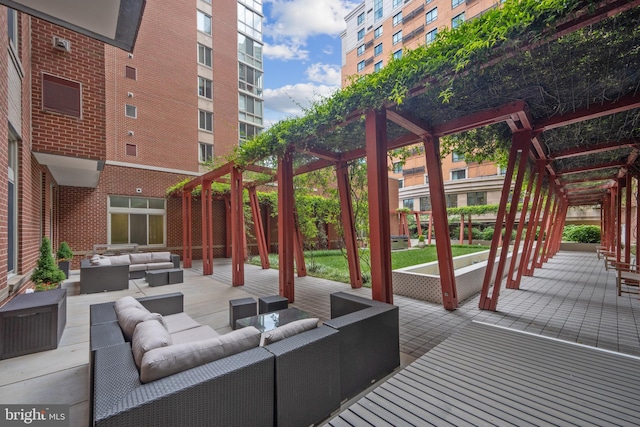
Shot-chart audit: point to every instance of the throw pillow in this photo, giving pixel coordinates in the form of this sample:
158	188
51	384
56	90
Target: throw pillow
288	330
148	335
100	260
128	319
164	361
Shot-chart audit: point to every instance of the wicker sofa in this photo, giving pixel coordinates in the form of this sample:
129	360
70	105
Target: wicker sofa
112	273
292	382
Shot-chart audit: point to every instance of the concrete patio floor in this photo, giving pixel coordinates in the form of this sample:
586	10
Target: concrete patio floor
571	298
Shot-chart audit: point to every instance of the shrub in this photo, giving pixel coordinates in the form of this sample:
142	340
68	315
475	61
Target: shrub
581	233
487	233
46	275
64	252
476	234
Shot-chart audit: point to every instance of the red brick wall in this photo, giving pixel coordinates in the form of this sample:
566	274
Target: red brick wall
4	132
165	91
58	133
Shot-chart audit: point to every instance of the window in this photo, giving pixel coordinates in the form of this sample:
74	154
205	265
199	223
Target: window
456	3
377	9
426	179
204	23
61	95
397	54
377	50
397	3
205	88
431	36
397	18
131	149
397	37
249	22
360	50
136	220
248	131
401	183
361	19
130	72
407	204
425	203
206	153
250	109
432	15
377	32
12	27
205	121
457	20
360	65
377	66
459	174
12	206
130	111
397	167
502	170
457	157
452	200
360	34
250	79
249	51
204	55
477	198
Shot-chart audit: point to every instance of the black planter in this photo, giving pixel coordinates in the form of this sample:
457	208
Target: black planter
64	266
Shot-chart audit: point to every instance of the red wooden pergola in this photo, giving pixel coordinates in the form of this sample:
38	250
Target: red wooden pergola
551	187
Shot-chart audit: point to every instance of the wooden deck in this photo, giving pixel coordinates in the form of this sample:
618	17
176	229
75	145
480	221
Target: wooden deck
489	375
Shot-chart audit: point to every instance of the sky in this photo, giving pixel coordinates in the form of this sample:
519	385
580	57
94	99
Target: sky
302	53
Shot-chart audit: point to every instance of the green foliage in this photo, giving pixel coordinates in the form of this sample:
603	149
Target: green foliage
46	275
581	233
487	233
476	233
421	238
64	252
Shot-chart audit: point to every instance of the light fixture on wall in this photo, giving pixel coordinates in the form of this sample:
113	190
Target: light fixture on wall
130	94
130	133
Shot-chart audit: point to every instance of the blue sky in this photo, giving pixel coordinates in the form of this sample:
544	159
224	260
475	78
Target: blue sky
301	54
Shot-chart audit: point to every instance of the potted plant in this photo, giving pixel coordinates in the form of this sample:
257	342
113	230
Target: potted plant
46	275
64	256
421	243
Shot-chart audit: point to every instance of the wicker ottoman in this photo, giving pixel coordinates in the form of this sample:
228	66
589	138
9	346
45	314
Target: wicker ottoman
272	303
241	308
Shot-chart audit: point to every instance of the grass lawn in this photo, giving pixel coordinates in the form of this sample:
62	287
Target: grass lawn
333	265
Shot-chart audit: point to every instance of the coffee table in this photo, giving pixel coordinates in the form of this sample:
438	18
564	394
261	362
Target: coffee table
268	321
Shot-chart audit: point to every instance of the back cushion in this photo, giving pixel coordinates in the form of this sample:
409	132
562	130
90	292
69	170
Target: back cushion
120	260
161	256
164	361
129	317
148	335
289	330
141	258
128	301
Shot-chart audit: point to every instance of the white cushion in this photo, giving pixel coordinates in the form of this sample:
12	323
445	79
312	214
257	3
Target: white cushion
164	361
161	256
120	260
288	330
159	265
129	317
128	301
179	322
100	260
148	335
194	334
141	258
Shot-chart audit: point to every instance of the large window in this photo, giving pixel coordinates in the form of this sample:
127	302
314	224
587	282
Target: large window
249	51
425	203
459	174
248	131
377	32
377	66
457	157
377	10
138	220
12	207
396	3
477	198
360	65
249	22
452	200
250	109
456	3
397	54
205	121
408	204
360	34
397	19
250	79
204	23
431	36
432	15
457	20
377	50
361	19
12	27
204	55
205	88
397	167
397	37
61	95
206	152
361	50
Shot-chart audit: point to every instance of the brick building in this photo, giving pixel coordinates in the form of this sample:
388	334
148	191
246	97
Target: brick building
95	135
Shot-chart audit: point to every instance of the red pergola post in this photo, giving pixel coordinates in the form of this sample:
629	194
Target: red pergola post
430	232
439	211
612	218
619	220
237	228
379	226
418	225
520	147
207	229
470	231
228	233
187	230
548	228
286	225
627	219
637	222
461	228
535	249
259	229
298	243
532	226
404	226
511	283
348	224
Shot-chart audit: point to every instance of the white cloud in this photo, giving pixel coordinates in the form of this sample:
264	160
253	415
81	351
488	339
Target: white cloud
328	74
328	50
291	100
300	19
285	51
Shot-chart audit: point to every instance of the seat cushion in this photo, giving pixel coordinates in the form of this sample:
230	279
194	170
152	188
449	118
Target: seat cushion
288	330
137	267
141	258
148	335
159	265
161	256
129	317
164	361
194	334
179	322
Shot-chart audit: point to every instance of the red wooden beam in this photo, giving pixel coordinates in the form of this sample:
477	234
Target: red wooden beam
409	122
260	169
228	253
187	230
298	250
259	228
319	153
286	225
618	237
379	226
209	177
591	168
207	229
511	284
348	224
237	228
594	149
479	119
439	211
313	166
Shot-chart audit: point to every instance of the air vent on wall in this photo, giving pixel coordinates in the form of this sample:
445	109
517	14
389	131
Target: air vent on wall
61	44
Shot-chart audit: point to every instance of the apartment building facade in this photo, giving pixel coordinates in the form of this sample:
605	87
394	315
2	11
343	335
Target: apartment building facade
93	136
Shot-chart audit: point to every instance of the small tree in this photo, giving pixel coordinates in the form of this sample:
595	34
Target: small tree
64	252
47	275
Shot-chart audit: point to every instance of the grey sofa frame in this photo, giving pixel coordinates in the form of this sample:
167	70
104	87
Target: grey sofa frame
369	340
293	382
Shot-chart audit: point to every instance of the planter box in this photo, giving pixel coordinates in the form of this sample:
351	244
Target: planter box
399	242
